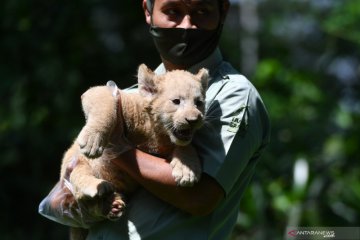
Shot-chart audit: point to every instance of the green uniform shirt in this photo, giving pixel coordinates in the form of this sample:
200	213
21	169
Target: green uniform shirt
237	130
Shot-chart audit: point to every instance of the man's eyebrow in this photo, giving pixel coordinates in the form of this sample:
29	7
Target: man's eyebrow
204	3
196	2
171	3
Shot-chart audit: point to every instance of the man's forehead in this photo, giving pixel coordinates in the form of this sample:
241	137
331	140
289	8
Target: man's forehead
190	3
187	1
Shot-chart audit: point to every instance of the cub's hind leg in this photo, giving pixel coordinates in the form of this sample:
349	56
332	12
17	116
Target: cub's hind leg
76	169
78	233
97	195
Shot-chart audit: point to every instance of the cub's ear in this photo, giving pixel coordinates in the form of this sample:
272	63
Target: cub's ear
147	87
203	76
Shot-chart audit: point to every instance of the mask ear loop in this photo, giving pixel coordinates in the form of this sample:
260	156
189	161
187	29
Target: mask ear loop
150	6
222	15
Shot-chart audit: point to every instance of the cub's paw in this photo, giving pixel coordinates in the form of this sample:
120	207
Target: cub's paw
184	175
92	143
117	206
97	188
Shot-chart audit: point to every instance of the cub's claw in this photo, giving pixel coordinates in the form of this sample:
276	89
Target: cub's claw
116	207
91	143
185	176
109	206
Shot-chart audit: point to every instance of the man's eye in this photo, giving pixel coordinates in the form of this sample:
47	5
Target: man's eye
176	101
201	11
171	12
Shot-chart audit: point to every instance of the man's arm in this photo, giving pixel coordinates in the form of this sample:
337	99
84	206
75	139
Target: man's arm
155	175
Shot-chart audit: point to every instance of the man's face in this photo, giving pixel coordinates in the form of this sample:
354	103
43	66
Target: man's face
202	14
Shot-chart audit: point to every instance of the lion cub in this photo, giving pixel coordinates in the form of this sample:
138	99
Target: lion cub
160	118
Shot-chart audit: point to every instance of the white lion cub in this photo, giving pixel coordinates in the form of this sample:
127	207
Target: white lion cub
160	118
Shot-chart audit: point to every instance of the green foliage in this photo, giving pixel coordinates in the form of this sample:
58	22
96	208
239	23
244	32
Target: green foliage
343	21
314	106
50	52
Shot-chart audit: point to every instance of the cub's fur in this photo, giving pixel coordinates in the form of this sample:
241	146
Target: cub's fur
160	118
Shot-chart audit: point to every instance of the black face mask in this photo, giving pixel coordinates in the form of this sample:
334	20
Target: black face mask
185	47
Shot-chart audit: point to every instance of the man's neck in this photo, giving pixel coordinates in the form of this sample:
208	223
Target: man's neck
210	63
170	66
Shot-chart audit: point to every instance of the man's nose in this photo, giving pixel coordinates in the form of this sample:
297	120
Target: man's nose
186	22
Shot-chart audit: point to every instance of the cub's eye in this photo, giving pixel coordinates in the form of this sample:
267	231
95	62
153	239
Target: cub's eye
176	101
199	103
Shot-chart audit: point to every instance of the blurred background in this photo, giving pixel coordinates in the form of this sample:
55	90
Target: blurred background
302	55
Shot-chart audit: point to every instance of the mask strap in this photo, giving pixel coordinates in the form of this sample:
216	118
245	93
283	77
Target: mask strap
150	7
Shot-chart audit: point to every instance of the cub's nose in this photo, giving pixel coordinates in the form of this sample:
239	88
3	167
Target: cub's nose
194	120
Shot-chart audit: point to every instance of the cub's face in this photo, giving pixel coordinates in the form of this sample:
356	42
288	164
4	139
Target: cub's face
178	103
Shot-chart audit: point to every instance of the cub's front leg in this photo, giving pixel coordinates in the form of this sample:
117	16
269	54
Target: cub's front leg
186	166
100	105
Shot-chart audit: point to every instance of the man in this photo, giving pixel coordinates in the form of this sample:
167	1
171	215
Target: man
186	34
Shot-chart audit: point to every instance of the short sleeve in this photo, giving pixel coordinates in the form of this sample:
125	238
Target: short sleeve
235	132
